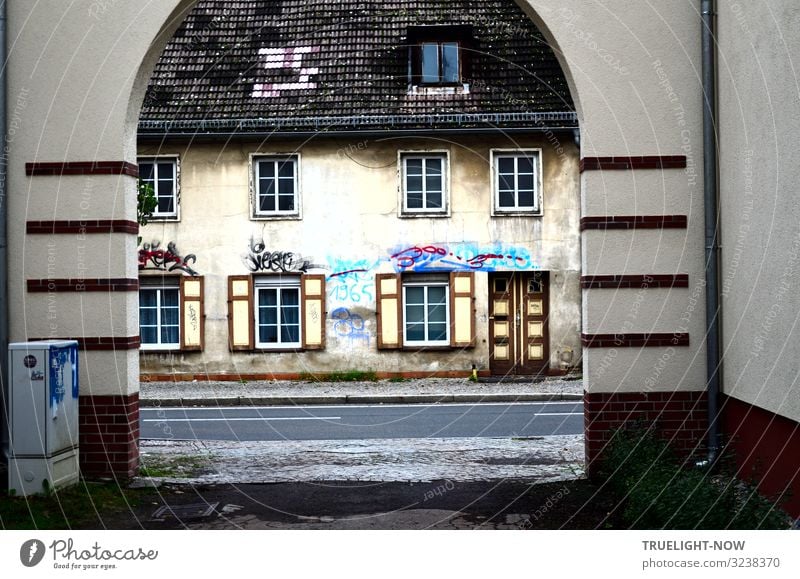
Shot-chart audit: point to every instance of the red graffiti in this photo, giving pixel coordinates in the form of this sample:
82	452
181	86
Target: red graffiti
153	258
409	257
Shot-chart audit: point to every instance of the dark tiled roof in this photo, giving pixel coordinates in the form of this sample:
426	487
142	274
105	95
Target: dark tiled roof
310	64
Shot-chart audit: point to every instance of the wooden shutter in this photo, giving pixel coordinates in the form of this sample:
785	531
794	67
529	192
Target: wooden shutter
313	296
241	334
389	311
462	309
192	314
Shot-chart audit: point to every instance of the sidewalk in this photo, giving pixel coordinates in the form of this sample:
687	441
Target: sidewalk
290	393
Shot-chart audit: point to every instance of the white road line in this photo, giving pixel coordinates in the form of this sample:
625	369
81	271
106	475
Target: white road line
352	406
255	418
558	414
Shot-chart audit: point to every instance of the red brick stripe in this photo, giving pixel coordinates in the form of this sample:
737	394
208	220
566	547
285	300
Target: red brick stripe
83	285
83	227
634	222
628	163
649	281
100	344
82	168
634	340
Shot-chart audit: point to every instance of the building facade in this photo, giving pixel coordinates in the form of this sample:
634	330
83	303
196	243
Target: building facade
76	84
427	225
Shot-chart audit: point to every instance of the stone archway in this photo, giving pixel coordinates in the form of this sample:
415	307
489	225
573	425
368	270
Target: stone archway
76	82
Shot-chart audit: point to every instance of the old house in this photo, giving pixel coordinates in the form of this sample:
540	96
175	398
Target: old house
380	186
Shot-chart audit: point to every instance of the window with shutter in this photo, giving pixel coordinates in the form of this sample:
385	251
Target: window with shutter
313	287
192	314
462	298
240	313
388	311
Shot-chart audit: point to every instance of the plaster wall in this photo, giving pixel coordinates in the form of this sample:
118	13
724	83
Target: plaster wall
350	191
759	171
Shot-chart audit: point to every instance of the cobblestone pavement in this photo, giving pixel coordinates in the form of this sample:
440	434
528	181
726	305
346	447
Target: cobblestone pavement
545	459
155	393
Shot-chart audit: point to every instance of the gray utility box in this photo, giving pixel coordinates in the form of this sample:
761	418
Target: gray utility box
43	416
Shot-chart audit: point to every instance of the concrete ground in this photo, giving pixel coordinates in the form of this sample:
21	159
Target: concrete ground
187	470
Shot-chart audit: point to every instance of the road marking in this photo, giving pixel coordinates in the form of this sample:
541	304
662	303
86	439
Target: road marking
252	419
558	414
353	406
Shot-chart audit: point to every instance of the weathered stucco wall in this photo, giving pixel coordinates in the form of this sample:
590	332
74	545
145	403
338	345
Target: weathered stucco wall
350	197
759	173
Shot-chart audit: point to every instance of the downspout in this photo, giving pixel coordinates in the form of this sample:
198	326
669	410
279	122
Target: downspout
4	434
710	193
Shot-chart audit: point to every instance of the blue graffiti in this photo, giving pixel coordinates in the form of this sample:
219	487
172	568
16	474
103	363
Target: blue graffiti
461	257
350	326
351	281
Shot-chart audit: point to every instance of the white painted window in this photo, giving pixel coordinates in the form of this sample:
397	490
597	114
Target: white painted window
159	317
426	310
424	183
516	177
162	173
278	312
276	186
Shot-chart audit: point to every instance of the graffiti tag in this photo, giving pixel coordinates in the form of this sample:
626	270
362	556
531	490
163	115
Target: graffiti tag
151	257
461	257
260	259
351	281
350	326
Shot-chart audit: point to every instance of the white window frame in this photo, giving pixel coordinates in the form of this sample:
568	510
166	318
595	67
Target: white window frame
426	281
159	289
278	282
536	155
257	214
176	172
405	211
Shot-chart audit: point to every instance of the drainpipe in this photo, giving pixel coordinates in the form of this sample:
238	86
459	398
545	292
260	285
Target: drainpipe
710	190
4	434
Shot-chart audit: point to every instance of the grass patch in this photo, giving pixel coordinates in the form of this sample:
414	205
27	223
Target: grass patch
84	505
155	466
397	379
346	376
658	493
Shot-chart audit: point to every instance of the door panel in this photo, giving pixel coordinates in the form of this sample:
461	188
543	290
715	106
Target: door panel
518	323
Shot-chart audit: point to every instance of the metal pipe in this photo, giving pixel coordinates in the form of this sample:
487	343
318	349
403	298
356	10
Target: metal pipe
711	206
4	237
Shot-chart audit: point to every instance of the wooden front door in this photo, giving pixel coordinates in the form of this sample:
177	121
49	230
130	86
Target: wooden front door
518	307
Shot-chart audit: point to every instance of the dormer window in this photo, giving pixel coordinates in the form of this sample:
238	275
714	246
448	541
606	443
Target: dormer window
439	63
438	55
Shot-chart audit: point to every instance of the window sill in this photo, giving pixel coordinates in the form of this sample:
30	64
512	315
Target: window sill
282	217
163	351
497	213
424	215
277	350
439	89
412	348
162	219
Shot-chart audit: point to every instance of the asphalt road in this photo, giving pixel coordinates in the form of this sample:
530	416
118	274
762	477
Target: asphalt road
354	422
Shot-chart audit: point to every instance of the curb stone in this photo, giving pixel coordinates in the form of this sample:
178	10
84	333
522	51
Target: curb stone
358	399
